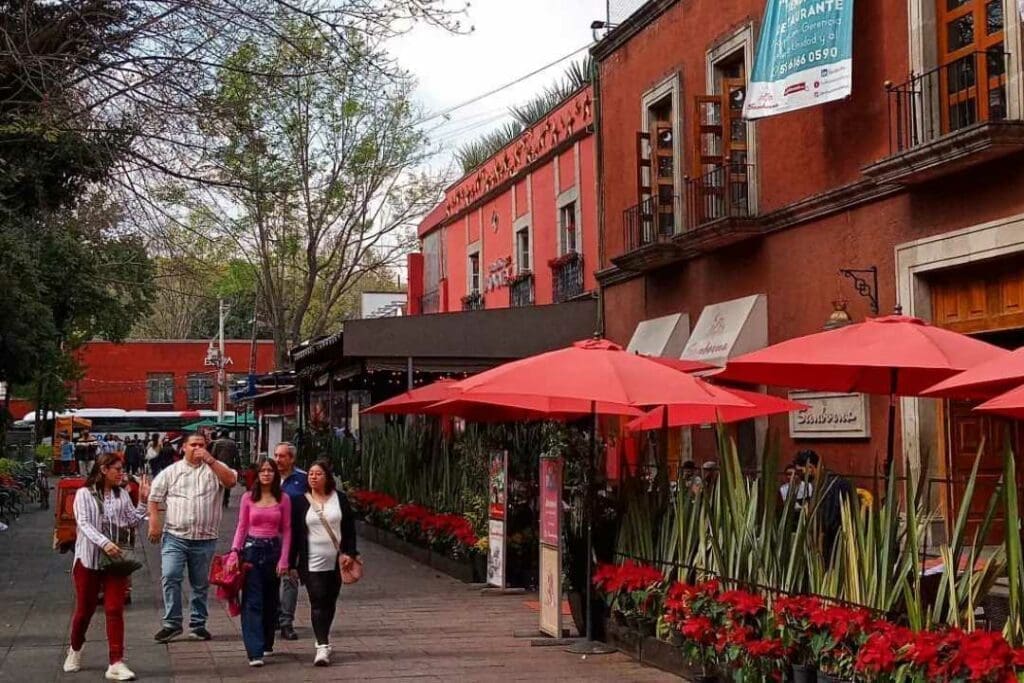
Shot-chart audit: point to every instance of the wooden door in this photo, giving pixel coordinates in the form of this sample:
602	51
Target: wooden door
663	165
967	430
972	67
706	188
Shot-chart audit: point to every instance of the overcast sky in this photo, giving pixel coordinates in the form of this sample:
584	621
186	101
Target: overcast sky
511	38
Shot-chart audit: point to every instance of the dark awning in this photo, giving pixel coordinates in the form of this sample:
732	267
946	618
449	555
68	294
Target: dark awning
499	333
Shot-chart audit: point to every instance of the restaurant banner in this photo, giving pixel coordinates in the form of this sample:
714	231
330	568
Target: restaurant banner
551	501
551	546
804	56
498	513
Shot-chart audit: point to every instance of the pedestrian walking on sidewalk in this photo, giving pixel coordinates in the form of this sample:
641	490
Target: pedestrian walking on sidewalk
263	540
323	542
191	489
96	520
225	449
294	484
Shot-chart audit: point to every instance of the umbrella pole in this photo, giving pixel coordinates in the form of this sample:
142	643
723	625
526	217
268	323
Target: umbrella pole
589	646
890	446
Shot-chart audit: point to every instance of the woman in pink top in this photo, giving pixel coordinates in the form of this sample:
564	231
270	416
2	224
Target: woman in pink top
263	539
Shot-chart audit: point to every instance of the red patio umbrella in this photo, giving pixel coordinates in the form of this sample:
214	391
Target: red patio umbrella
896	355
1010	404
601	373
986	380
512	407
414	400
682	364
684	416
598	371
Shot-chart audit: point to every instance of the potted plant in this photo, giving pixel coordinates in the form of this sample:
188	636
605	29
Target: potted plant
793	614
838	633
693	611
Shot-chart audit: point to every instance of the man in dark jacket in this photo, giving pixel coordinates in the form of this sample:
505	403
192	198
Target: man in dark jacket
834	490
225	449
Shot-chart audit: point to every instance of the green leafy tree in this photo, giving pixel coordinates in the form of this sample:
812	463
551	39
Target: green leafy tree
318	172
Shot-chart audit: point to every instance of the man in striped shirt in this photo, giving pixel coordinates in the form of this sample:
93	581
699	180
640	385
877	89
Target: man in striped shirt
192	491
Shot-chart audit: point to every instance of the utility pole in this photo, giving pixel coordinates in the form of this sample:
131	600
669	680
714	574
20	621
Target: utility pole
222	382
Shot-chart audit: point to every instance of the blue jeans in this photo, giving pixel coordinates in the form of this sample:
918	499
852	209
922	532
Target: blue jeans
259	595
175	554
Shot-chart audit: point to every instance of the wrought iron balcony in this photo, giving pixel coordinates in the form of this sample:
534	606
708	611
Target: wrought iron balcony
474	301
723	192
649	222
949	118
430	302
567	277
520	289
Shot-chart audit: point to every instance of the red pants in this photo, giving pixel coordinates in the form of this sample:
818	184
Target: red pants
88	583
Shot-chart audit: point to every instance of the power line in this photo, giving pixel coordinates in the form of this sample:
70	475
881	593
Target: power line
517	81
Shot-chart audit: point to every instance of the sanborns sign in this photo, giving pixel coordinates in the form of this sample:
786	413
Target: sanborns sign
804	56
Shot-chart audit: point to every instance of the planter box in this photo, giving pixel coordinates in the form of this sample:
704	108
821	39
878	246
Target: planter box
367	531
623	639
662	655
459	569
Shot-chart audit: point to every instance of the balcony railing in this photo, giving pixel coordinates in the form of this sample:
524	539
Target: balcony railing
567	277
722	192
520	290
971	89
652	220
473	301
430	302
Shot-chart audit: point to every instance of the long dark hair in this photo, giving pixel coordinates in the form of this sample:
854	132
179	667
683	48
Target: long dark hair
325	465
256	490
94	480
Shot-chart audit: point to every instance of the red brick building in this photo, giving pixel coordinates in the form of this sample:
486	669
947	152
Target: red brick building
519	230
739	230
159	374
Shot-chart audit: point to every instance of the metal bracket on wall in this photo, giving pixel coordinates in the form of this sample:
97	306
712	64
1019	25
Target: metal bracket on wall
866	287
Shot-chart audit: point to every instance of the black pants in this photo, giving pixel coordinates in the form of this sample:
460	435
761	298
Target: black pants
323	589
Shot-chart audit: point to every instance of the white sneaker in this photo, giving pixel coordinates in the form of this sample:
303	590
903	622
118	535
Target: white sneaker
255	662
323	655
73	662
119	672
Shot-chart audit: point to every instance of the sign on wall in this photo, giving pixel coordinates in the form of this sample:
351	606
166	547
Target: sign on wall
831	415
804	56
498	513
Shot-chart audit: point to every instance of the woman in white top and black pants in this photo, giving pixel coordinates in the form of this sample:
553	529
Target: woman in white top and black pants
316	556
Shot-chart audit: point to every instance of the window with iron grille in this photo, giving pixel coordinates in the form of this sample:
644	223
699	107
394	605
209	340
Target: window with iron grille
199	388
160	388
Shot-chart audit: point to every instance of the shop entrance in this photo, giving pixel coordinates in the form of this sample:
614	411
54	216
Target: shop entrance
986	301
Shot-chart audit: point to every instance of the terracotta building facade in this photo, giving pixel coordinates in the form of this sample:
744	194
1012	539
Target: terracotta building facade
521	229
720	236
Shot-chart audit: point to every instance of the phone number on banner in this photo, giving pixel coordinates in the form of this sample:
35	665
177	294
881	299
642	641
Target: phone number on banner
797	63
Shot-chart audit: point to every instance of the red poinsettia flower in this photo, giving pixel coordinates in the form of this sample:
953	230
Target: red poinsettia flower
769	648
698	629
743	603
877	655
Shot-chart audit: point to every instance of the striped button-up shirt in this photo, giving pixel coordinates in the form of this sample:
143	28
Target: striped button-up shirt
93	527
194	499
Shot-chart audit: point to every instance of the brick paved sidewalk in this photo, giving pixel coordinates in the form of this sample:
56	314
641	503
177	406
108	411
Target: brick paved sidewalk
404	621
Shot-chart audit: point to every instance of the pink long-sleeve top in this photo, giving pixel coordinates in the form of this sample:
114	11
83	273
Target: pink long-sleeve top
265	522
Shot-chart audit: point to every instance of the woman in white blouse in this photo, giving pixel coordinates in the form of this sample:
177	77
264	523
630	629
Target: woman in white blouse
94	522
318	555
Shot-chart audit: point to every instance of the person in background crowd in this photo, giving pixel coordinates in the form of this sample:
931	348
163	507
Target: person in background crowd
225	449
689	477
250	476
94	519
152	450
67	453
133	455
835	489
167	457
318	554
85	452
804	489
295	485
191	489
262	540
